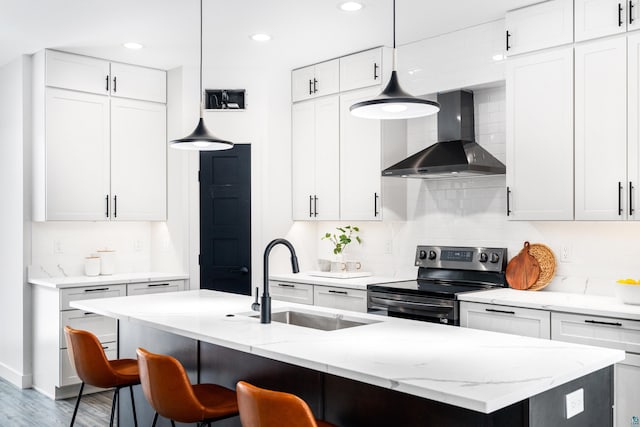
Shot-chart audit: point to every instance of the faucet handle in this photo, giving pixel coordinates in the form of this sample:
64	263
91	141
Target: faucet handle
256	305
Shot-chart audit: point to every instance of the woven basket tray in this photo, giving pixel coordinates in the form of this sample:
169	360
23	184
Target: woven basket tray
547	262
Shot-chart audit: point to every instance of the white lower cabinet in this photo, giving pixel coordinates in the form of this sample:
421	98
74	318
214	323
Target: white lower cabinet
340	298
511	320
301	293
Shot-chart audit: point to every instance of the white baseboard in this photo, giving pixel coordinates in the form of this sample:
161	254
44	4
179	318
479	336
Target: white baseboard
16	378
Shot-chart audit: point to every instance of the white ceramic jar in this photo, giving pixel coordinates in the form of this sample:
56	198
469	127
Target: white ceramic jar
107	261
92	266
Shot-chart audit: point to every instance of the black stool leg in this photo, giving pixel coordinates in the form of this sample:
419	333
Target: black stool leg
113	405
155	420
75	410
173	424
133	406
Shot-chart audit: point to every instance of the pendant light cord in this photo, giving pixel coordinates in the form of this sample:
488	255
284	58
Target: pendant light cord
395	59
201	94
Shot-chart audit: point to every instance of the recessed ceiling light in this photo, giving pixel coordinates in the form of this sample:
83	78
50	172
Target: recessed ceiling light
351	6
260	37
133	45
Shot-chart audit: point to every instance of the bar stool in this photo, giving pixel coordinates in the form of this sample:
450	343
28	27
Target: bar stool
167	388
260	407
92	366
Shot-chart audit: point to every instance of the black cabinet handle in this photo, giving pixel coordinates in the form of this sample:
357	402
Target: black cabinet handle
598	322
508	36
96	290
508	205
631	6
153	285
105	347
619	198
331	291
107	79
631	210
106	199
315	205
88	313
375	204
310	206
115	206
310	87
115	85
315	85
493	310
286	285
375	71
620	21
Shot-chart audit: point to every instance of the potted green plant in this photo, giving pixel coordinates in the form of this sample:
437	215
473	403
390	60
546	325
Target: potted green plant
340	240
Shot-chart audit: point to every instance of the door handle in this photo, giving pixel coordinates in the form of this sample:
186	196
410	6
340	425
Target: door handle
508	197
241	270
375	71
106	198
115	83
375	204
107	79
310	87
620	21
630	11
508	37
315	85
619	198
631	210
115	206
315	205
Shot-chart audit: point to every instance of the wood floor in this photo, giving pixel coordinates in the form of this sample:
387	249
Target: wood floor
30	408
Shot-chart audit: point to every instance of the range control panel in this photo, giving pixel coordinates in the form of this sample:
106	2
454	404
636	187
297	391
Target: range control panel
462	258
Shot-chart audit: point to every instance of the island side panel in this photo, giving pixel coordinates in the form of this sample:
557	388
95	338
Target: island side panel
132	335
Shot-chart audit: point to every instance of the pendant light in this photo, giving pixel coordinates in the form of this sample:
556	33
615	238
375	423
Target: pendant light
201	139
393	102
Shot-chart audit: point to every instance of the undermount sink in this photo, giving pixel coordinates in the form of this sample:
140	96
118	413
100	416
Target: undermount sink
317	321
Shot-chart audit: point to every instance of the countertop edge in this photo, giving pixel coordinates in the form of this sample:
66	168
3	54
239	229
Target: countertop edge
122	278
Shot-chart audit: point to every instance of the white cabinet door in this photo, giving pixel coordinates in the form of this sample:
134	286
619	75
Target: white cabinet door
138	160
361	70
601	129
302	83
327	78
146	84
76	72
315	159
511	320
360	161
301	293
633	133
598	18
540	26
77	155
340	298
540	157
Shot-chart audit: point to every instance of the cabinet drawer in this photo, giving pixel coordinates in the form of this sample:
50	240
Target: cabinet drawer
74	294
341	298
105	328
155	287
301	293
510	320
68	374
608	332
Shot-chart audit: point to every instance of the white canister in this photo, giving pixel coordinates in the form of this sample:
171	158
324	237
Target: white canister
92	266
107	261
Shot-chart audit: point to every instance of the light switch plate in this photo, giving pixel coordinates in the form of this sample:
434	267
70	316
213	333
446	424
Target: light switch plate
574	402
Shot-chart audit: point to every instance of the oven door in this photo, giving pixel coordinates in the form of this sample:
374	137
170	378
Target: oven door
416	307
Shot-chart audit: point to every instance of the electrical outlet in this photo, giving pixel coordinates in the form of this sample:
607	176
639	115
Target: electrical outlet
565	253
574	403
388	247
137	245
57	247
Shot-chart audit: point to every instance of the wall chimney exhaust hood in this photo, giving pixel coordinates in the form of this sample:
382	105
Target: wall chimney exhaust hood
456	154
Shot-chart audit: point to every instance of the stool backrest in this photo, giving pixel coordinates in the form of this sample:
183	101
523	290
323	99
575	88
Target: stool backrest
167	387
267	408
87	357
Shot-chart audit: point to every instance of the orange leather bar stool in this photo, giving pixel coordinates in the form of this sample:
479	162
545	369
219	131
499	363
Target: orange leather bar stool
267	408
88	358
167	388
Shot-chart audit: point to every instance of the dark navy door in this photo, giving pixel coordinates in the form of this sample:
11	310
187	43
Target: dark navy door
225	220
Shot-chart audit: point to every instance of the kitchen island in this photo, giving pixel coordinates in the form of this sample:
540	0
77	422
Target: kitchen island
386	372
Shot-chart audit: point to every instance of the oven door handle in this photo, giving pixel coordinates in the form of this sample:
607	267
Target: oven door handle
393	303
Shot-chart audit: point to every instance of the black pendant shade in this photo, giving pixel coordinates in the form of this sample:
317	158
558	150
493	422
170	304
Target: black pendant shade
201	139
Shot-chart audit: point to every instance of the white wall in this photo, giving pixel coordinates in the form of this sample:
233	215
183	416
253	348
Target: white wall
15	358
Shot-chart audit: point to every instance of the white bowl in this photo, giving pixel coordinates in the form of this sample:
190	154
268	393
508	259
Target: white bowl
628	294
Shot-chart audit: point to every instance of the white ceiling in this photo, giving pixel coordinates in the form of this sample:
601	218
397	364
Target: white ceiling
303	31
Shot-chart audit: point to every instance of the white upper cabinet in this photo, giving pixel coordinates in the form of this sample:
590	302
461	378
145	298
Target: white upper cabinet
130	81
361	70
598	18
539	26
633	132
138	160
76	72
601	129
76	156
315	80
539	97
360	160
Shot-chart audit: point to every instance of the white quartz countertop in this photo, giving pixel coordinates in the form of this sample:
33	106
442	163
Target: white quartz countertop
478	370
77	281
351	283
594	305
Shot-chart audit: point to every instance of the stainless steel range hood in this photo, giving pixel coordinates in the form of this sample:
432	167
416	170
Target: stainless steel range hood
456	154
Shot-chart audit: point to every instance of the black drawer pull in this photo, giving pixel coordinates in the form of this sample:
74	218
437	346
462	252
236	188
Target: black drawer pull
331	291
286	285
493	310
88	313
151	285
105	347
96	290
598	322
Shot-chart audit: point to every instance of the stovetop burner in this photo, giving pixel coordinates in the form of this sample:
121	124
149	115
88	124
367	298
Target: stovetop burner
433	288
